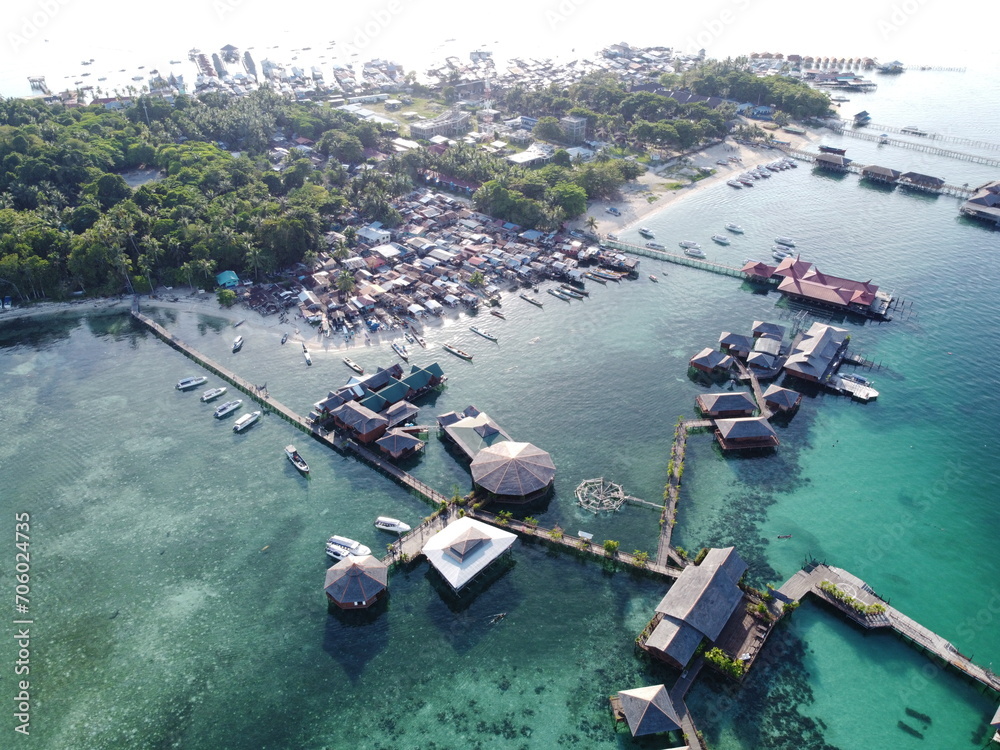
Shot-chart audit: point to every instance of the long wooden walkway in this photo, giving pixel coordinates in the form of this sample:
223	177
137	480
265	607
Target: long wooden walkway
808	580
988	145
404	478
681	260
913	146
748	374
678	694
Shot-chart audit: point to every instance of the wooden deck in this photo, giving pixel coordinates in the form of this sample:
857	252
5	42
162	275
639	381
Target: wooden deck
758	394
678	694
678	258
409	546
807	581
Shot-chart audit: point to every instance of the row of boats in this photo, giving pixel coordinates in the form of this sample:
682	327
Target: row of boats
228	407
761	172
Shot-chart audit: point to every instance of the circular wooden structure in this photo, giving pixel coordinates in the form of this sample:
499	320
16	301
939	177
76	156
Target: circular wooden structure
599	494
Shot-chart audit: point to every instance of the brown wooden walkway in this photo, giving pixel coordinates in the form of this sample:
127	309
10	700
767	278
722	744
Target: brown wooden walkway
404	478
758	393
677	695
808	580
665	553
409	546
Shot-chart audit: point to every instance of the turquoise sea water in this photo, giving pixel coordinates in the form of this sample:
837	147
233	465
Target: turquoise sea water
177	568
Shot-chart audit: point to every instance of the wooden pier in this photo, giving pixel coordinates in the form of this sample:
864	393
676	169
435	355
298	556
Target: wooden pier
758	394
808	580
679	259
678	693
913	146
936	137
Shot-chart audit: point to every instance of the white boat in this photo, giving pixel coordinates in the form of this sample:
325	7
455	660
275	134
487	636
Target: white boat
401	351
694	252
686	244
779	254
297	461
735	184
456	351
423	343
305	353
655	246
653	278
237	343
785	241
354	366
227	408
559	293
645	232
246	421
186	383
485	334
735	228
391	524
212	393
720	238
339	547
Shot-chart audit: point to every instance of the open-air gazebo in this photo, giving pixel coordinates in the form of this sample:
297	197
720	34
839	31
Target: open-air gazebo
356	582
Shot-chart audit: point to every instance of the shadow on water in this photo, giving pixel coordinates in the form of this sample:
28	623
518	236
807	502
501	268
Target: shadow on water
35	332
877	187
354	637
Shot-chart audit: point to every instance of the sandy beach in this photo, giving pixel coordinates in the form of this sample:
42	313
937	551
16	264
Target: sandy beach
652	192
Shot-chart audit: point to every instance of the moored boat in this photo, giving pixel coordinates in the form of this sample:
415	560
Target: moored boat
339	547
391	524
735	184
595	277
572	293
735	228
575	289
780	253
653	278
785	241
498	314
694	252
401	351
532	300
456	351
246	421
655	246
720	238
212	393
238	323
305	354
558	293
186	383
297	461
228	408
646	232
237	343
284	338
420	340
485	334
354	366
689	244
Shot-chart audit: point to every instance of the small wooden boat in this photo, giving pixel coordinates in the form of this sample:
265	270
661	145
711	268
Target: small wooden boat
354	366
784	536
558	293
575	289
595	277
457	352
484	333
532	300
572	293
498	314
284	338
238	323
653	278
305	353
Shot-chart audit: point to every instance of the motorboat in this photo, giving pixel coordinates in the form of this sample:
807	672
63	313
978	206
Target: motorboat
400	349
735	184
237	343
284	338
498	314
228	408
186	383
694	252
409	338
354	366
532	300
340	547
421	341
735	228
391	524
646	232
297	461
456	351
653	278
688	244
778	254
655	246
246	421
791	163
747	181
211	394
485	334
305	353
571	293
238	323
720	238
785	241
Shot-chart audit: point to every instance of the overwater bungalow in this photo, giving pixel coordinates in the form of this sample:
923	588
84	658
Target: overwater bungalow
763	329
464	549
818	353
472	430
735	343
884	175
513	472
399	444
758	270
922	182
724	405
647	710
697	607
833	162
364	424
745	434
710	361
779	399
356	582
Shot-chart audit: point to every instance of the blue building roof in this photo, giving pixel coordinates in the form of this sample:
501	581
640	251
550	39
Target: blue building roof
227	279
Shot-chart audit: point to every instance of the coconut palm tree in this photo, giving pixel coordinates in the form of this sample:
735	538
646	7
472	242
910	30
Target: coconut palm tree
591	223
345	282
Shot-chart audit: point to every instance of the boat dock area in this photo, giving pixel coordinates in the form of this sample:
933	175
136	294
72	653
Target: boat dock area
872	613
852	388
679	259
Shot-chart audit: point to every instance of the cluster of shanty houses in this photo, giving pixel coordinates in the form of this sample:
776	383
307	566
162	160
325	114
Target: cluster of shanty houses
425	265
509	471
459	553
813	356
375	408
802	281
